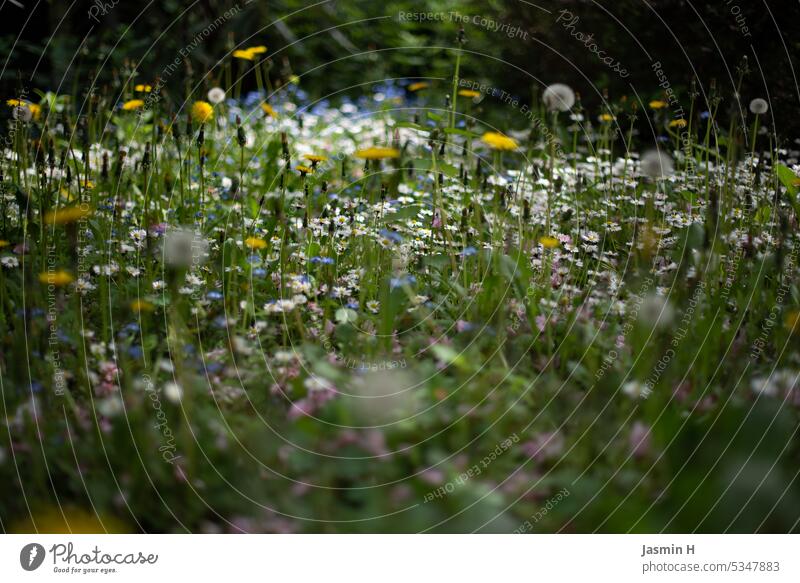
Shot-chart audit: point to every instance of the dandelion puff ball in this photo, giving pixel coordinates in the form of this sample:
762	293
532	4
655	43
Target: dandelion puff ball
759	106
559	97
381	392
656	164
185	248
656	312
22	113
173	392
216	95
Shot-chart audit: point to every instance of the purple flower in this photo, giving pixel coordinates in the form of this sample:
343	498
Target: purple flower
391	235
401	281
463	326
544	446
639	440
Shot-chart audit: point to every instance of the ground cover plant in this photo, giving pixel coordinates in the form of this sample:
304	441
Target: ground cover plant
428	306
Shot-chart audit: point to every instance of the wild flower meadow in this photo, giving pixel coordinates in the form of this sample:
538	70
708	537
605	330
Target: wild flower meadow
250	310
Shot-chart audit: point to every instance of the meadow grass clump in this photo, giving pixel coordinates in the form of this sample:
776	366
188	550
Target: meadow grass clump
250	312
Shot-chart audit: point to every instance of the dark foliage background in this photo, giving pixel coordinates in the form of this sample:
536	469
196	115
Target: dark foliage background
359	41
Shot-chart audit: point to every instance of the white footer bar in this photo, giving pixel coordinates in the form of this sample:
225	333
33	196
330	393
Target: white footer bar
401	558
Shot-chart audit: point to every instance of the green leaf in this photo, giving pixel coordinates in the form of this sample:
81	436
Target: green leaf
448	169
449	355
406	212
411	125
465	133
344	315
438	260
788	178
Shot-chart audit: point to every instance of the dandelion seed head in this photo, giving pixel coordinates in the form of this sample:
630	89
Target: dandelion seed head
559	97
22	113
759	106
216	95
184	248
173	392
656	164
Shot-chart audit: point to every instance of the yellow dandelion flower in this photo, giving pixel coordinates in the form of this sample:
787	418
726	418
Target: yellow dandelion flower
792	322
249	54
469	93
132	105
657	104
606	118
35	109
314	158
139	306
419	86
255	243
244	54
202	111
303	169
66	215
67	195
269	110
498	141
377	153
68	520
548	242
678	123
58	278
142	88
